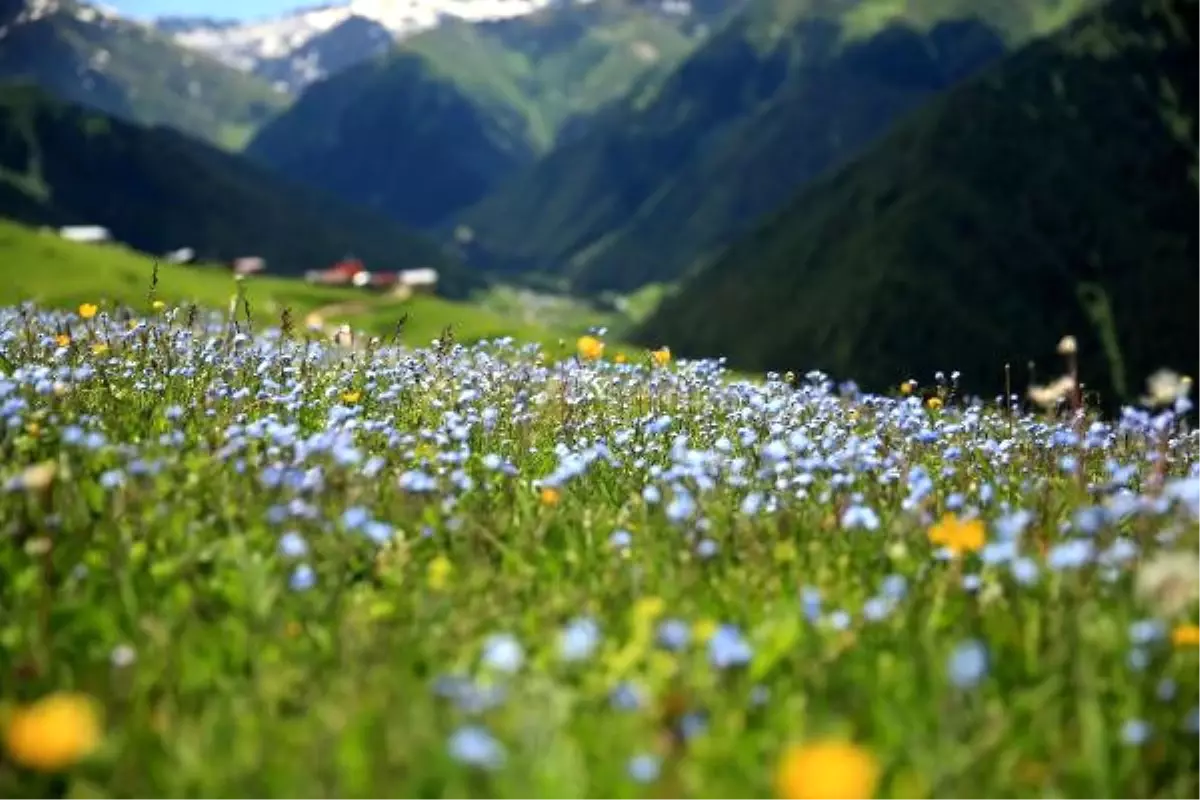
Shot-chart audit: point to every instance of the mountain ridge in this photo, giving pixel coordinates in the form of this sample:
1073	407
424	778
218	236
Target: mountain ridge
95	57
1053	193
668	169
157	190
436	123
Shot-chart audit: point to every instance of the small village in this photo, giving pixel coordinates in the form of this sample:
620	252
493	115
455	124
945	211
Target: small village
350	271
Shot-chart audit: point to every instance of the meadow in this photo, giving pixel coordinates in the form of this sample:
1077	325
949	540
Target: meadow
239	560
70	273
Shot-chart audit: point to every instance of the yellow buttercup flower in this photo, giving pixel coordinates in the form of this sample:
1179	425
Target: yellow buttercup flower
703	630
934	403
54	732
88	310
549	496
100	348
1186	636
958	535
62	340
829	770
351	397
785	552
438	573
589	347
648	608
661	356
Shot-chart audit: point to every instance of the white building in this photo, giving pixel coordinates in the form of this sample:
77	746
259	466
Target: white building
184	255
85	233
422	278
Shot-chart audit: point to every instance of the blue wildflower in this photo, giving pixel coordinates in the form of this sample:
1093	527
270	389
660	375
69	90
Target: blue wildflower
303	578
474	746
968	664
644	768
579	639
503	653
727	648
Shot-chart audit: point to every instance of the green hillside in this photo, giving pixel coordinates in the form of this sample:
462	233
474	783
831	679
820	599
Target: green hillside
158	190
435	125
784	92
85	56
40	267
54	273
1056	193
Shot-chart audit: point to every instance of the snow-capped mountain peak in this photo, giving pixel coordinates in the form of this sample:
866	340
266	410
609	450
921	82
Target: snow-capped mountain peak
288	48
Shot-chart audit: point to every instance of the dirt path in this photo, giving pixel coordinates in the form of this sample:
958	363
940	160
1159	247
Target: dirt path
345	308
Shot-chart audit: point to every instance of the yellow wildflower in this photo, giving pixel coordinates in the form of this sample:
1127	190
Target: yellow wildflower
619	358
54	732
649	608
62	340
549	496
661	356
99	348
438	573
958	535
351	397
589	347
88	310
908	387
829	770
1187	635
934	403
785	552
158	305
703	630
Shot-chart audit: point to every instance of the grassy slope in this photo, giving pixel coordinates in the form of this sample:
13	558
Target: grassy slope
54	273
437	124
552	65
134	72
1055	194
158	190
223	547
785	91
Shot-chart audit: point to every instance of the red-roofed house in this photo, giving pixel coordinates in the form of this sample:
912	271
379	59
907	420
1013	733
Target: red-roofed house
340	274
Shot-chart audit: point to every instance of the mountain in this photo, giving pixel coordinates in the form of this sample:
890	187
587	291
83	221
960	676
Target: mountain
441	120
158	190
308	44
785	91
88	55
1053	194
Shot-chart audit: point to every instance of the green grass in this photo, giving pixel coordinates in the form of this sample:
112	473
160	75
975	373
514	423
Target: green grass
59	274
288	573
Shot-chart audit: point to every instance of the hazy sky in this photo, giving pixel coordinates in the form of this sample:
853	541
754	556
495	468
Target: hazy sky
237	9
